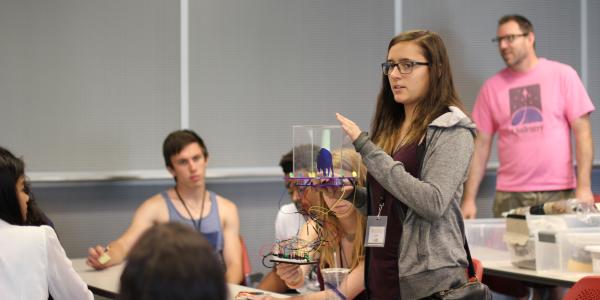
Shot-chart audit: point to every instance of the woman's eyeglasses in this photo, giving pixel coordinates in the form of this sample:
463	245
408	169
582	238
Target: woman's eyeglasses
404	66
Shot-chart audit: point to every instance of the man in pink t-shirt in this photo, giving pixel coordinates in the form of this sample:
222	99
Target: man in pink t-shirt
532	104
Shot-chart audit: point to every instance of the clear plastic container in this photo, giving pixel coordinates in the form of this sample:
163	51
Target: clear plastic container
485	237
565	251
523	255
573	256
547	251
535	243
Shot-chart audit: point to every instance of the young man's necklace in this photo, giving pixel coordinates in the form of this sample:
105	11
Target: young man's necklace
196	226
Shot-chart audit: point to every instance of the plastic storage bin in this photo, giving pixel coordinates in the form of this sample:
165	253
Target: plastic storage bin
547	251
531	250
485	237
573	256
522	255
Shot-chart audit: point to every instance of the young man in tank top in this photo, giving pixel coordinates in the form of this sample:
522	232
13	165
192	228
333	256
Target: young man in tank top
187	202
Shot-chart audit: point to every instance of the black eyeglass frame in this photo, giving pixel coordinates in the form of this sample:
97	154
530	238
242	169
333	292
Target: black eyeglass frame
509	37
390	66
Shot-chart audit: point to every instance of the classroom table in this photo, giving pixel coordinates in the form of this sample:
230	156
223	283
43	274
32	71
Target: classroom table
106	282
505	269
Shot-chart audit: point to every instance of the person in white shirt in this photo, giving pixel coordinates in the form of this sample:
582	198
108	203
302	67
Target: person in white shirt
33	264
289	219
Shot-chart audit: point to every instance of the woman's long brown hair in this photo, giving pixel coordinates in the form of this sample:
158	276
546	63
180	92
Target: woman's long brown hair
441	93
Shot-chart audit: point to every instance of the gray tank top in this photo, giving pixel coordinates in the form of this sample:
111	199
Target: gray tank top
210	226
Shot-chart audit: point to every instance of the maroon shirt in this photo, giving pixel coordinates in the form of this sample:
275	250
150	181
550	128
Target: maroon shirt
383	282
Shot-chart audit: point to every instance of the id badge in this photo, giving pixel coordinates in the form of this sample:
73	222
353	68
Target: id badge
375	235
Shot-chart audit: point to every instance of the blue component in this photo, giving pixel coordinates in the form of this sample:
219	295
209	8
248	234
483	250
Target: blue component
325	163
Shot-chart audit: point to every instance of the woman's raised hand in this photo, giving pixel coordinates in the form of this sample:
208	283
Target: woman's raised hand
351	129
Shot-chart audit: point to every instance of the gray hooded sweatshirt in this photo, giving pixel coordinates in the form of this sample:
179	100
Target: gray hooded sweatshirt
431	255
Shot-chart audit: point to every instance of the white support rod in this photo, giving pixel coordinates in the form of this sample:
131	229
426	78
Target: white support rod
397	16
184	66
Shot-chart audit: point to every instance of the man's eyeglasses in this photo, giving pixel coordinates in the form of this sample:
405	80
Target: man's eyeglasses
404	66
509	37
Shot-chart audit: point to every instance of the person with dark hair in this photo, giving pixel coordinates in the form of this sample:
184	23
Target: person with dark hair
170	261
33	264
188	202
35	215
417	156
533	104
289	220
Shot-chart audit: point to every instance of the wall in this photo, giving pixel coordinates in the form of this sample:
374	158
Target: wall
101	83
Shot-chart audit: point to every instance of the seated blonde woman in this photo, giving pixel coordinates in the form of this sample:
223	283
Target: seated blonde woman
339	229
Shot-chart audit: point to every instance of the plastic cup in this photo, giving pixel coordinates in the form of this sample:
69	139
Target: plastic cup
333	278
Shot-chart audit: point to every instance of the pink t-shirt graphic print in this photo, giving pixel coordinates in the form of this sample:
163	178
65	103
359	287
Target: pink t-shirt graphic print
525	105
